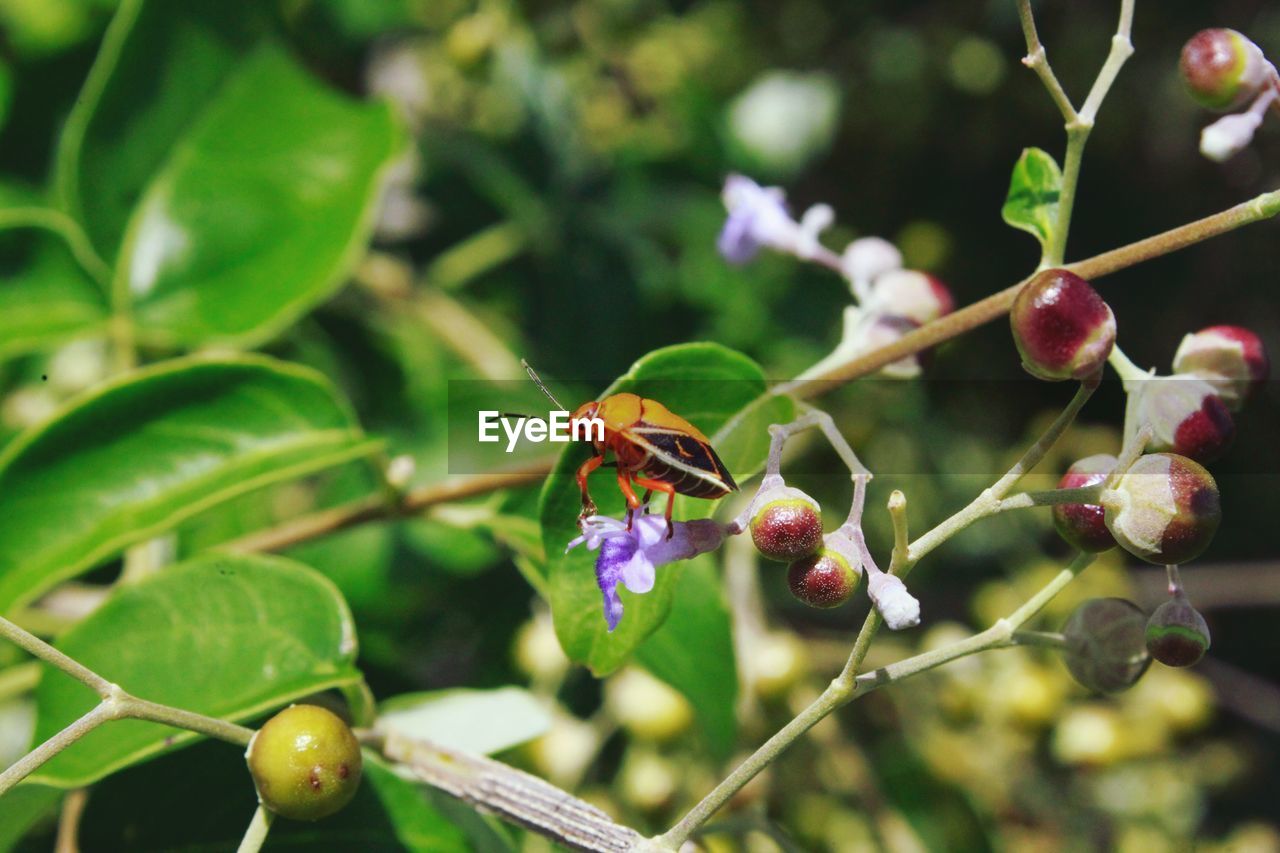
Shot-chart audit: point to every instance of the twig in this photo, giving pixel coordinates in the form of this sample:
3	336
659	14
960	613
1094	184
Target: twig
511	794
1038	61
376	508
68	838
985	310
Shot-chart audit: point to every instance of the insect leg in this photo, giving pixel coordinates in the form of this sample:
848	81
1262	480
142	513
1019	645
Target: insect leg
633	502
588	505
667	489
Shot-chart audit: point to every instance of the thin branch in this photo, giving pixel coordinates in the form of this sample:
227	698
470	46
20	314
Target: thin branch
996	305
27	764
141	709
376	508
1038	61
68	838
39	648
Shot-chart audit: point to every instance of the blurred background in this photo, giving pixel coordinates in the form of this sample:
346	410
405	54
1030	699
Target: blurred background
561	203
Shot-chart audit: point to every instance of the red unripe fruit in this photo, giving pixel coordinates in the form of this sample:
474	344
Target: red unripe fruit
826	579
786	525
1222	69
1085	525
1177	634
1186	416
1164	509
1230	358
1061	326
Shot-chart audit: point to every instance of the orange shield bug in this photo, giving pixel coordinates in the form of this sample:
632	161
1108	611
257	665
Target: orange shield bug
653	448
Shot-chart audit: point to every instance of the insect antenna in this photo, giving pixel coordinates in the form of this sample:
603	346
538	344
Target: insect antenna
538	381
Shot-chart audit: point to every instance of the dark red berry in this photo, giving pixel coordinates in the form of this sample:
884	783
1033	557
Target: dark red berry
825	579
1164	509
1061	326
787	525
1084	525
1177	634
1222	69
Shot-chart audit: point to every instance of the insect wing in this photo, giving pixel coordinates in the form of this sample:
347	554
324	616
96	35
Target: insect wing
688	464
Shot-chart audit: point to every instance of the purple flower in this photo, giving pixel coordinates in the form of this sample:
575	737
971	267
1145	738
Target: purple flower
758	216
630	557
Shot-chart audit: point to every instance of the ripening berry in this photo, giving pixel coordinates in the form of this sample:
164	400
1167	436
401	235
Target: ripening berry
1177	634
305	763
1062	327
1222	69
1230	358
912	294
829	577
1084	525
1164	509
1105	645
1186	416
786	524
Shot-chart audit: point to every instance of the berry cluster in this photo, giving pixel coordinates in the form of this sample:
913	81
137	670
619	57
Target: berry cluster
1161	506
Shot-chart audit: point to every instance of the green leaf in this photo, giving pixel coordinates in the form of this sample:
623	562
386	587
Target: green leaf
159	66
262	210
706	384
231	190
226	636
138	456
1032	201
708	677
476	721
23	809
45	296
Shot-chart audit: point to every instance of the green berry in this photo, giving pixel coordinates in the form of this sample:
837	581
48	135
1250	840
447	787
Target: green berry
1177	634
305	763
1105	644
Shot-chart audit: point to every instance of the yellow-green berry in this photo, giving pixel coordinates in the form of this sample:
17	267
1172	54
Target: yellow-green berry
305	763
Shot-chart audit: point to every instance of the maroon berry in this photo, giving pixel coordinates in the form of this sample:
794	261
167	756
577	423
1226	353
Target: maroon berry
1084	525
1062	327
1177	634
1230	358
1105	649
1222	69
825	579
1164	509
786	524
1186	416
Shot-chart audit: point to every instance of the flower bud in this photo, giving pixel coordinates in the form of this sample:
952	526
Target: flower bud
1105	645
879	330
1229	135
1186	416
912	294
1222	69
1084	525
786	524
1177	634
1062	327
867	258
305	763
1164	509
828	578
1230	358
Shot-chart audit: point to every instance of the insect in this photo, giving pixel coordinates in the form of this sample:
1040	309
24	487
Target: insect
653	448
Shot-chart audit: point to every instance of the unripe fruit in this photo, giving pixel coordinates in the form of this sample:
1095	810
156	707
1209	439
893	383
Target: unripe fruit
828	578
1186	416
1105	646
305	763
1164	509
1084	525
786	524
912	294
1222	69
1061	326
1230	358
1177	634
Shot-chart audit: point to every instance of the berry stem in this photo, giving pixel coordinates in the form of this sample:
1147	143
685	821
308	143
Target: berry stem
1124	367
1044	639
1175	580
256	835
